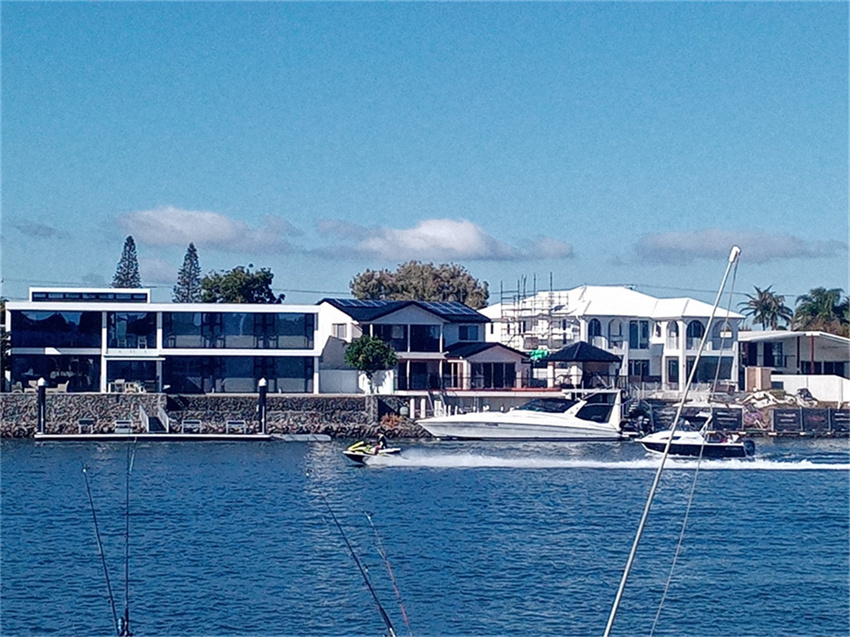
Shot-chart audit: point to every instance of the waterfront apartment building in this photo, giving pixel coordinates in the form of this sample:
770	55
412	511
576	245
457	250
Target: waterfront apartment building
114	339
657	338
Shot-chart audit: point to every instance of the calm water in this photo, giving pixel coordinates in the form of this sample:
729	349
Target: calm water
483	539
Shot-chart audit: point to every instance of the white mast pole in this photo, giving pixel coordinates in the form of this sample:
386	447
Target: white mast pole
733	257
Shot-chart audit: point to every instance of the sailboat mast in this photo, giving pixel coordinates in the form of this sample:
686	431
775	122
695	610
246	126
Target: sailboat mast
733	258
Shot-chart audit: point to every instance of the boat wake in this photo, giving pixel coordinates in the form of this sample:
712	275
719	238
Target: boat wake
421	458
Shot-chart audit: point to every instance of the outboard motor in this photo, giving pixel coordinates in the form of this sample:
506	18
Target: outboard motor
749	447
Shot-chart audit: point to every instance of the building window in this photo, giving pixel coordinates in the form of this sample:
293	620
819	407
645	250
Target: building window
424	338
142	372
639	334
238	330
393	335
237	374
468	333
615	332
708	371
639	370
695	332
339	331
55	329
134	330
493	375
68	372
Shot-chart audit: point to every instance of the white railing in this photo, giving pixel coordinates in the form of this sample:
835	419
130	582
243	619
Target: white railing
163	418
143	416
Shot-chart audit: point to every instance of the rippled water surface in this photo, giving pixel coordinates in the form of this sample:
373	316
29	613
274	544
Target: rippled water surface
483	539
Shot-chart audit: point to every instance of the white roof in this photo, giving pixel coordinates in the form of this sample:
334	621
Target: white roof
757	336
615	300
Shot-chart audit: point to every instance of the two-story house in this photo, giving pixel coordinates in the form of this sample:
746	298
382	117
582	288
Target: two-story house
657	338
439	346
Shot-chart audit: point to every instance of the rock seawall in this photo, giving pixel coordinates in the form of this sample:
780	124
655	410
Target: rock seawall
339	416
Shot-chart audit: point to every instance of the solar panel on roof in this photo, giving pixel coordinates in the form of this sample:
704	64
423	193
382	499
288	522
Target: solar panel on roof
360	303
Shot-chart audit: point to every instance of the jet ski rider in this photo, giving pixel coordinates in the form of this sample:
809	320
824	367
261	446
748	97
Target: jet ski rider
381	443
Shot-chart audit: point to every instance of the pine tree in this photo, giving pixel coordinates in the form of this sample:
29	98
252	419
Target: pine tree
188	288
127	272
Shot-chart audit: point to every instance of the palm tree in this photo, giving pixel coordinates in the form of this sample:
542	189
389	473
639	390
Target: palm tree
767	308
822	309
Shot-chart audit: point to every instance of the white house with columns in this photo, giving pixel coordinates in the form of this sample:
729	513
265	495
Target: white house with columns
657	338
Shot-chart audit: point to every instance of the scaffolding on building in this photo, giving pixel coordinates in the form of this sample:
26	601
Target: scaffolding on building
536	321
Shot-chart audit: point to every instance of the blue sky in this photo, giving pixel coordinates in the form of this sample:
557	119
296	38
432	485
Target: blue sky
589	142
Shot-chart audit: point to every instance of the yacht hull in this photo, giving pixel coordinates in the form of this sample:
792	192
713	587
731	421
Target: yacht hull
521	425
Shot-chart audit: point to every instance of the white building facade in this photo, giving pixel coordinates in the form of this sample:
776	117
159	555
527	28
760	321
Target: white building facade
657	338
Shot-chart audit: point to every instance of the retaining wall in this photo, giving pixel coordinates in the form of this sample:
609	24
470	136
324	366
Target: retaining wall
339	416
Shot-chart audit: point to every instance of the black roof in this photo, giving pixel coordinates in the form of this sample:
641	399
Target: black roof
583	352
370	310
465	350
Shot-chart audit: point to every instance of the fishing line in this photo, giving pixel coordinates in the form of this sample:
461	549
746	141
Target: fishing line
100	550
681	541
125	626
383	554
360	566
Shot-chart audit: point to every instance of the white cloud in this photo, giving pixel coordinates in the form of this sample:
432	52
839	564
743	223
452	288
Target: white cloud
442	239
170	226
715	243
431	239
548	248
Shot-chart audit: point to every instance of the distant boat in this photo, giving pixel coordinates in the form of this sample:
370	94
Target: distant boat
595	417
700	443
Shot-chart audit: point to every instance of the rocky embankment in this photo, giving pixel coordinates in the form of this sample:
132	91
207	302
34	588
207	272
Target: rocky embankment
336	416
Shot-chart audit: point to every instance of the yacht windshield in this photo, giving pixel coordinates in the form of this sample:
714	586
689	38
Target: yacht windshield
548	405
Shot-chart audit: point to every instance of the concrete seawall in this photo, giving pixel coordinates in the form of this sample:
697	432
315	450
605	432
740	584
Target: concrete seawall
339	416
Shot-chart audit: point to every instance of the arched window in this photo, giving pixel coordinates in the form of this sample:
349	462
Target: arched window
694	334
673	335
615	331
594	328
695	329
721	330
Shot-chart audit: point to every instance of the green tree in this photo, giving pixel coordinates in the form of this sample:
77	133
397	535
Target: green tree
188	288
822	309
767	308
373	285
421	282
239	285
369	355
127	272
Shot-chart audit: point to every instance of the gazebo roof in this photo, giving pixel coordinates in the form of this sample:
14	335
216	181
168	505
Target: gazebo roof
582	352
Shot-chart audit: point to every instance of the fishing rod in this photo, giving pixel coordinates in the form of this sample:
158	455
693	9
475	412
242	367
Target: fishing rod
357	561
383	554
100	550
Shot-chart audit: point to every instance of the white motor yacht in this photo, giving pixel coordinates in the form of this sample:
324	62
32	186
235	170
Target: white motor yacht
595	417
